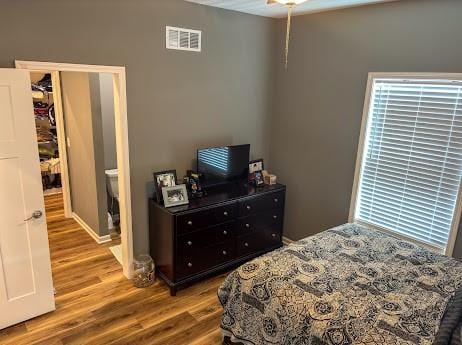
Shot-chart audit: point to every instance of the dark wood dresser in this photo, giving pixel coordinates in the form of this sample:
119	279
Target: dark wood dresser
229	226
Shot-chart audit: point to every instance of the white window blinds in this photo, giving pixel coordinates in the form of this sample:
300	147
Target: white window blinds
412	158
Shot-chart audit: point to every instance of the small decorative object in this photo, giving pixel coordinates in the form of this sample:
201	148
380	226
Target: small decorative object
143	271
271	179
163	179
256	172
175	195
192	181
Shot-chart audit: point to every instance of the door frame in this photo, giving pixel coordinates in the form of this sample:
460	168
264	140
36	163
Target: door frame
121	131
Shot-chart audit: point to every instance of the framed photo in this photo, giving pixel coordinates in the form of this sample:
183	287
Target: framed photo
256	165
163	179
259	180
256	168
175	195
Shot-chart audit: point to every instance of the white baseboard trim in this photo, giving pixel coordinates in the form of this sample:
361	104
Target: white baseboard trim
286	240
98	239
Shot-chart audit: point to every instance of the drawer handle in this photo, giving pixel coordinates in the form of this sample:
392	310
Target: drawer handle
248	207
246	244
276	200
224	252
274	235
275	217
189	243
225	213
189	222
225	232
247	225
189	264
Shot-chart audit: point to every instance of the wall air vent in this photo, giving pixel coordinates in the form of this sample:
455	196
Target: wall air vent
183	39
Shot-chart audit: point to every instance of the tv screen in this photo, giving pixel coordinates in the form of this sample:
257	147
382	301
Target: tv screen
223	163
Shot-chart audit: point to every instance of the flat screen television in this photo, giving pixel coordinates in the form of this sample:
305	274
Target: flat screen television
222	164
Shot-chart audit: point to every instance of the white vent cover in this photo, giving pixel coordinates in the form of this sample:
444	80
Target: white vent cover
183	39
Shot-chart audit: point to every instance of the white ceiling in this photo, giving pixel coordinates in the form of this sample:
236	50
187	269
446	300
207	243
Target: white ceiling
259	7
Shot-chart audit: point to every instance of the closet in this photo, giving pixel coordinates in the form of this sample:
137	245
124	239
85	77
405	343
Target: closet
45	124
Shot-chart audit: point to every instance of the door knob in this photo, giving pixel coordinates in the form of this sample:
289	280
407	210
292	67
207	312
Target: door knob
35	215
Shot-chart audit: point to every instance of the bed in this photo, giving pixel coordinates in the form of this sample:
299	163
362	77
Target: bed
346	285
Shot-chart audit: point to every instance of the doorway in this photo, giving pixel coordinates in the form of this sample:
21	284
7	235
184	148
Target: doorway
60	179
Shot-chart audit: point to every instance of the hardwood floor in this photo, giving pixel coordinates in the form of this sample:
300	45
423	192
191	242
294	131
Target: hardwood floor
96	304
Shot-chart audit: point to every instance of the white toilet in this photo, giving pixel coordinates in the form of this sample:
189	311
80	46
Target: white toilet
112	183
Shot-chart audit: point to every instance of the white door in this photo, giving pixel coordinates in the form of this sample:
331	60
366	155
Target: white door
26	288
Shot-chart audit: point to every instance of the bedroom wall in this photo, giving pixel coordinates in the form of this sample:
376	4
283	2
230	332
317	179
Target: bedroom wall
320	97
177	101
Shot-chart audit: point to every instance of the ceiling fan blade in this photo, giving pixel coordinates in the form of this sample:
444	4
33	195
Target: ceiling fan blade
270	2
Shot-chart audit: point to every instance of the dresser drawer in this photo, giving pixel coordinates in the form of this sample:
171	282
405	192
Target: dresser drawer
261	203
201	219
195	262
257	241
259	221
199	240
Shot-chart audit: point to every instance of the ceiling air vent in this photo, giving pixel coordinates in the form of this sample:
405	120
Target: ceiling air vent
183	39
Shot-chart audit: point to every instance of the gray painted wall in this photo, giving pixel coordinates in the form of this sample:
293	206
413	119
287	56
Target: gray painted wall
177	101
108	118
86	157
319	100
99	151
82	156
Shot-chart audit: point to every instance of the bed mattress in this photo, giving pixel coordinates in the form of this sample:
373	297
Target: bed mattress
346	285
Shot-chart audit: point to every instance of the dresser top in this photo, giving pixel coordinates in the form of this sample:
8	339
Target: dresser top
221	194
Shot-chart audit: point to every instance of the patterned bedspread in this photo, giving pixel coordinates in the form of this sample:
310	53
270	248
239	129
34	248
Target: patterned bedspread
347	285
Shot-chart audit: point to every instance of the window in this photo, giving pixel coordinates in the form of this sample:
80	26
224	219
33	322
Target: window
410	160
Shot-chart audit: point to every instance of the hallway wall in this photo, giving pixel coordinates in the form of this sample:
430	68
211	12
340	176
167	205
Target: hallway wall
84	177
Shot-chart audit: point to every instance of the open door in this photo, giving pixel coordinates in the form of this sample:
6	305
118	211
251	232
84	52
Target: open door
26	287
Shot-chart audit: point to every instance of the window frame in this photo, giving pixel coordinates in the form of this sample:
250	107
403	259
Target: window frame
372	76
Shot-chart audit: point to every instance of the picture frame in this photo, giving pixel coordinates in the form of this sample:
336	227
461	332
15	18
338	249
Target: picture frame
256	165
162	179
175	195
259	180
256	168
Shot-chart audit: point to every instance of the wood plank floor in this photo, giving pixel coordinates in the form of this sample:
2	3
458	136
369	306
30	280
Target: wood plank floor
96	304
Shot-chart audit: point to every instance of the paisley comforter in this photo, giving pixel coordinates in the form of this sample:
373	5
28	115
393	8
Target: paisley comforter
347	285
